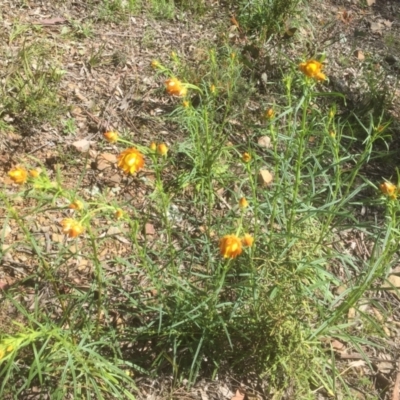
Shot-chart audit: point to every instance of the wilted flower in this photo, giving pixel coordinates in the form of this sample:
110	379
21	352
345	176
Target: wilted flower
175	87
131	160
312	69
230	246
153	146
246	157
162	149
388	189
119	213
71	227
247	240
243	203
76	205
34	173
18	175
111	136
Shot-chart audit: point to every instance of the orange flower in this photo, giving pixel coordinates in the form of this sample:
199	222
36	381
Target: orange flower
388	189
76	205
175	87
119	213
153	146
162	149
230	246
243	203
247	240
246	157
34	173
71	227
111	136
312	69
130	161
18	175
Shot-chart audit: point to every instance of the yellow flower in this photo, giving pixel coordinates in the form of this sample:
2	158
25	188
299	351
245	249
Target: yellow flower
34	173
247	240
185	104
312	69
269	113
246	157
153	146
119	213
111	136
388	189
233	55
2	353
76	205
131	161
71	227
230	246
175	87
155	64
243	203
18	175
162	149
332	134
213	89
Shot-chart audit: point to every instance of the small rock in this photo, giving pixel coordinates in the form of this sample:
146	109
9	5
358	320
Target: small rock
264	141
82	146
265	177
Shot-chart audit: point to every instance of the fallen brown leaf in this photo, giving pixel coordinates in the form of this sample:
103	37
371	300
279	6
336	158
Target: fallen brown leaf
240	395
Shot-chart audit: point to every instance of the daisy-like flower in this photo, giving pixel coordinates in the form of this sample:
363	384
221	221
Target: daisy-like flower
312	69
247	240
246	157
111	136
162	149
71	227
18	175
388	189
131	160
175	87
76	205
243	203
153	146
230	246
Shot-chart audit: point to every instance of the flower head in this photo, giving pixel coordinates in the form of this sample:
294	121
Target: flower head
18	175
76	205
388	189
247	240
162	149
175	87
246	157
34	173
185	104
270	113
243	203
312	69
230	246
213	89
111	136
119	213
131	160
153	146
155	64
71	227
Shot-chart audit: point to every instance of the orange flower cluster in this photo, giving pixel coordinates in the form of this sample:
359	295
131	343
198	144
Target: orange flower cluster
131	160
175	87
312	69
388	189
71	227
18	175
230	246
